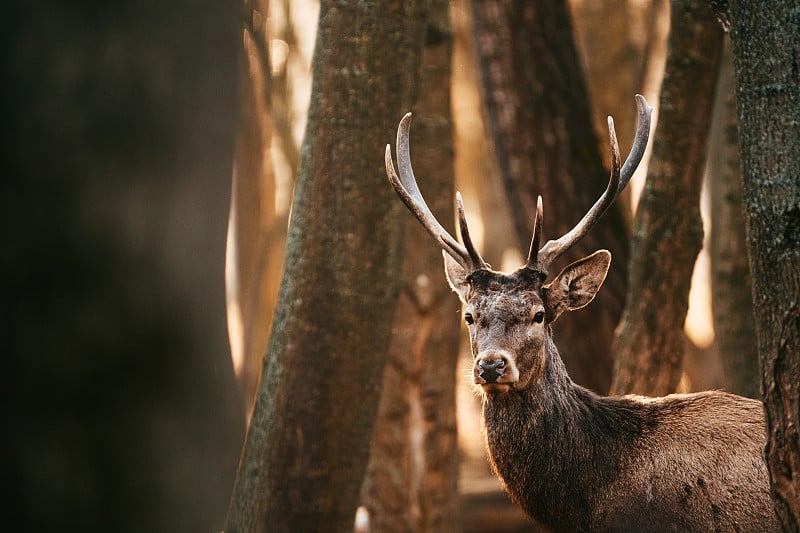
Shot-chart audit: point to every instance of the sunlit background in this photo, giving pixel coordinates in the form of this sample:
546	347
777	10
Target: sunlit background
292	29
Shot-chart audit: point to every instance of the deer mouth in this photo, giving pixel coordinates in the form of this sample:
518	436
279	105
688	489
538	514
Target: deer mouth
496	388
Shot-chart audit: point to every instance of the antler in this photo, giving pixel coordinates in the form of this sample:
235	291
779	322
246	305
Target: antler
406	187
538	259
541	259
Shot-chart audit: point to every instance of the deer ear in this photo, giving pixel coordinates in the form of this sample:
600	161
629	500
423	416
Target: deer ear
578	283
456	276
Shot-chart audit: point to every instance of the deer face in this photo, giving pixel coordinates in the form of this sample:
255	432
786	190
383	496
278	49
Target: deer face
509	316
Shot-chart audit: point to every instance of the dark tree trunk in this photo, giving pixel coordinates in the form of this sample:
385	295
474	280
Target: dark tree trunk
120	411
732	301
668	230
537	113
306	451
766	59
412	479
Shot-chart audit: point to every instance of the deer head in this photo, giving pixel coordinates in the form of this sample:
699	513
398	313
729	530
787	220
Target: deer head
509	316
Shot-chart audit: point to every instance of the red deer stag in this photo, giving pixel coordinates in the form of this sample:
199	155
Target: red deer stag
573	460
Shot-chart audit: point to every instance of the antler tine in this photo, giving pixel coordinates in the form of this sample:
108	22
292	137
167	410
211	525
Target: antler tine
477	260
617	182
406	187
533	252
644	112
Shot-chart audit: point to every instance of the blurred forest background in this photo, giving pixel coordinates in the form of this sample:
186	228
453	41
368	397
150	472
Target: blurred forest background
159	302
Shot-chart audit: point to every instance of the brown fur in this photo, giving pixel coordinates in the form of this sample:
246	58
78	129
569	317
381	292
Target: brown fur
576	461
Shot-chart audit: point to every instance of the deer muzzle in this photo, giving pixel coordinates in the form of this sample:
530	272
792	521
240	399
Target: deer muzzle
491	370
495	367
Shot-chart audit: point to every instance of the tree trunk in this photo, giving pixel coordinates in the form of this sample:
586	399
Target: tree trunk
412	479
732	301
668	230
537	112
119	409
256	241
475	167
304	458
766	48
613	54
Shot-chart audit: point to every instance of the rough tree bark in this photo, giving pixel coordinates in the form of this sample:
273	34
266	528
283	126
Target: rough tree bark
412	478
537	111
731	284
305	454
766	48
668	230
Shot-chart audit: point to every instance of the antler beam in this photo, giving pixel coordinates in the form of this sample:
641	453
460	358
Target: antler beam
620	176
406	187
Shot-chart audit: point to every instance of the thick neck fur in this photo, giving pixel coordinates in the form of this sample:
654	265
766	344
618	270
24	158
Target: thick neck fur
555	442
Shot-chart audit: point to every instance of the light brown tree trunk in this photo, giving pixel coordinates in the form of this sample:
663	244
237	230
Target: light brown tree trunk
614	36
307	446
288	80
256	240
731	284
412	478
537	112
766	48
476	170
668	230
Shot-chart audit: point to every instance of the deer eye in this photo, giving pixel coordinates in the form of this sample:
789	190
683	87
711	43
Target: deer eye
469	319
538	317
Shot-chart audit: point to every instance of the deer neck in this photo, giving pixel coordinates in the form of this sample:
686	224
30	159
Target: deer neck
553	393
555	444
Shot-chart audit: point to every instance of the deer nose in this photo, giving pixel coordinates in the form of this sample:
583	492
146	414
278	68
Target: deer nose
491	367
